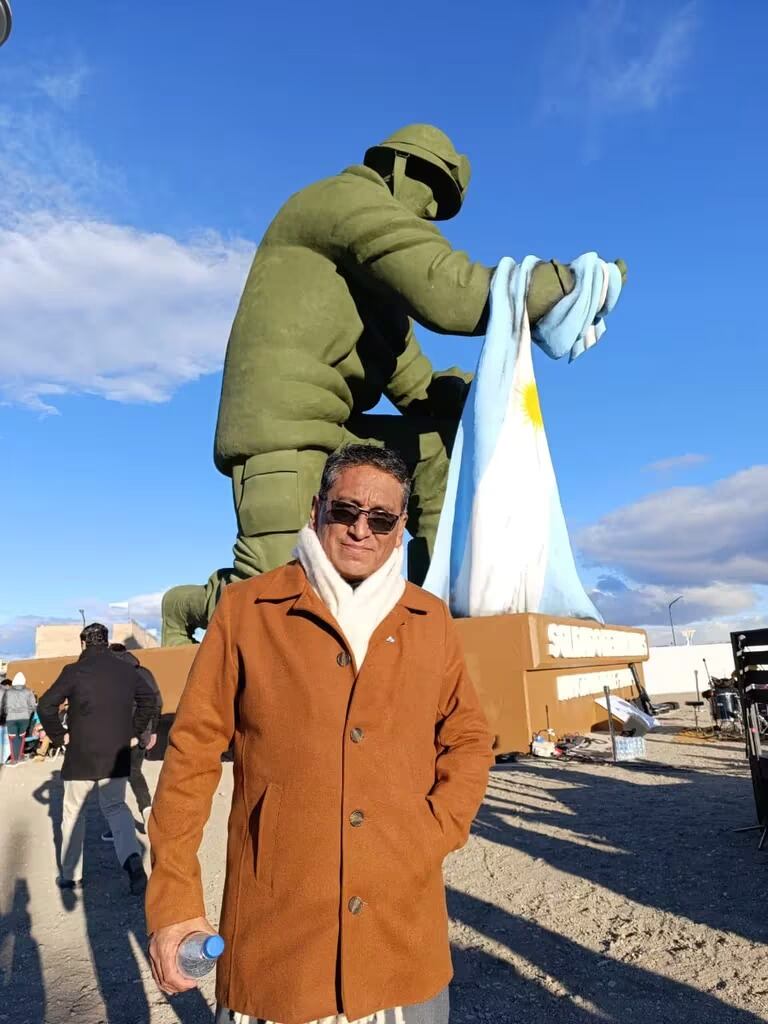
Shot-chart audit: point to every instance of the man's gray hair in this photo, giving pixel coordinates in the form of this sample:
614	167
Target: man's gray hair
385	459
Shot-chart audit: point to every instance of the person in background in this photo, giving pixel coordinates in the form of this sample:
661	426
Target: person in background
140	747
43	744
109	704
17	706
5	684
34	733
45	747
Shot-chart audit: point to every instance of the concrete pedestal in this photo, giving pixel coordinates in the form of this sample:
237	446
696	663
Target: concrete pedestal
531	672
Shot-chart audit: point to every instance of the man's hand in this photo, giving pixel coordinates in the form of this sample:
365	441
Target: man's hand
66	739
163	949
151	741
134	741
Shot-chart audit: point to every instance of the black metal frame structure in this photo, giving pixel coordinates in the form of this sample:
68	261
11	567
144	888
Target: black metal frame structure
750	655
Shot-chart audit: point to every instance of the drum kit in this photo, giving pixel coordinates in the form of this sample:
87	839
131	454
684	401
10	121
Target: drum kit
725	707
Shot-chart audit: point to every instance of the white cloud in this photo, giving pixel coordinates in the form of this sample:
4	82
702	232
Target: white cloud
645	79
64	87
648	604
143	608
43	167
689	536
98	308
44	164
603	62
675	462
705	631
17	635
90	306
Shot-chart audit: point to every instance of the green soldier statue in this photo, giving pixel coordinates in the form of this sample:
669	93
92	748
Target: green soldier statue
325	329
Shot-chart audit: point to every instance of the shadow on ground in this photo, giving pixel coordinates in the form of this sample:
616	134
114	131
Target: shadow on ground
486	987
114	922
22	988
682	874
693	843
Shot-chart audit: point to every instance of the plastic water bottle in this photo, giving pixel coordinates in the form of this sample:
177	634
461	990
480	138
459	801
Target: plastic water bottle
198	954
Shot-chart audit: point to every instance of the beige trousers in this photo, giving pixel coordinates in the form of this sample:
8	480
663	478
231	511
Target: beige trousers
115	810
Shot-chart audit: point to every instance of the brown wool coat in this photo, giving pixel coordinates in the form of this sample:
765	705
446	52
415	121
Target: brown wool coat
348	794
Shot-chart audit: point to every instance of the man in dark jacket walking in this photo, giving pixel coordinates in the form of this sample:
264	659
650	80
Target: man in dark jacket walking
109	704
140	747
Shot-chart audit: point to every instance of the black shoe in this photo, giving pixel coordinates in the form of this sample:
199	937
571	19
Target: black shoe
107	837
136	875
69	883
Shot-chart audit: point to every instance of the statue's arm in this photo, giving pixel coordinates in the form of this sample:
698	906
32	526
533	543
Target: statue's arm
440	287
416	387
412	374
400	254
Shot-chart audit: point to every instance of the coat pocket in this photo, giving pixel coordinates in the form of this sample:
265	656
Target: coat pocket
398	848
262	829
433	834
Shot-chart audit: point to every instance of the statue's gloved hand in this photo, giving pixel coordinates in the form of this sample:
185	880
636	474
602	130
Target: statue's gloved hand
550	282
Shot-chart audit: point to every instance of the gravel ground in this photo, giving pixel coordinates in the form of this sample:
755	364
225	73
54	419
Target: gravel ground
587	893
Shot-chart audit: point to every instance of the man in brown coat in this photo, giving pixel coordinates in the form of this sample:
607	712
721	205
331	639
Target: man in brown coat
361	757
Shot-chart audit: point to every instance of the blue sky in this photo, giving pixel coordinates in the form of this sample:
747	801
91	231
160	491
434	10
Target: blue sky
144	151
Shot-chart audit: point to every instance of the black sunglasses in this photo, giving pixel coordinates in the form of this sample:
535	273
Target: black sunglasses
346	513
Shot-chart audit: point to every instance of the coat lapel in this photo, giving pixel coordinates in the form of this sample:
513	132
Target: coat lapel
412	602
292	583
311	606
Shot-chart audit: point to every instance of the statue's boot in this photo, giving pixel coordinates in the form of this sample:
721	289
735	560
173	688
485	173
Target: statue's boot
184	612
187	608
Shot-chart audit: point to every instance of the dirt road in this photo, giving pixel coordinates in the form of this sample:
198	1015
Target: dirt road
587	893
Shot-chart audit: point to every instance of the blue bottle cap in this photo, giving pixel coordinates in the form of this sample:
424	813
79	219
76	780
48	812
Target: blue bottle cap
213	947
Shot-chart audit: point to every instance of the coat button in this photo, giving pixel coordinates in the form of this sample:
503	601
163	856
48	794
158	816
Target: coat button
355	905
356	818
343	659
356	734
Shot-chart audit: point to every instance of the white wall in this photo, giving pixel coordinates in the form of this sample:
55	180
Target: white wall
671	669
132	635
64	640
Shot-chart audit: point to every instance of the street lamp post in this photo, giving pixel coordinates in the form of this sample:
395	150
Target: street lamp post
671	623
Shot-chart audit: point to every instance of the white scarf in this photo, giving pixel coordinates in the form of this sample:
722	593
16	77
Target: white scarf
358	610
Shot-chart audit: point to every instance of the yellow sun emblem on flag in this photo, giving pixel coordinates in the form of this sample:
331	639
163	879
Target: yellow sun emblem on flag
531	405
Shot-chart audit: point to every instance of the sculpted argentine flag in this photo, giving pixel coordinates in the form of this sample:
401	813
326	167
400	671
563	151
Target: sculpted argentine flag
502	545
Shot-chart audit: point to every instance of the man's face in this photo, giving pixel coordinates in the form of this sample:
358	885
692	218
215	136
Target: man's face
356	551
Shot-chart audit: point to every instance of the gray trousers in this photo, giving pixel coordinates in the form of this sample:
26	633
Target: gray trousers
434	1011
115	810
